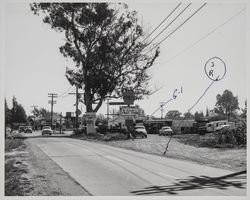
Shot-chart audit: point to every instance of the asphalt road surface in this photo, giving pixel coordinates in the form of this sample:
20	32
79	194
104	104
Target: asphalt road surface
103	170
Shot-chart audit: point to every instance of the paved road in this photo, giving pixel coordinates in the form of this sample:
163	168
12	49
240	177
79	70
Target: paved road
104	170
39	134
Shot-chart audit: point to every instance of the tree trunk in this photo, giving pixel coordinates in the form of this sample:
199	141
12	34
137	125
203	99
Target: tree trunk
88	101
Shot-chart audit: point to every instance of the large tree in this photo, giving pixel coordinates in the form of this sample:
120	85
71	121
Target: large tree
17	112
188	115
244	110
226	103
173	114
199	115
106	43
8	116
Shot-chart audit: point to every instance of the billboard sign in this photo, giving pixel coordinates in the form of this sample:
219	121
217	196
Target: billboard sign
129	111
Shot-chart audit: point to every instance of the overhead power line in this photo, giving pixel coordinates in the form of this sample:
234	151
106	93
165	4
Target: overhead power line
162	22
205	36
177	28
162	104
169	24
60	95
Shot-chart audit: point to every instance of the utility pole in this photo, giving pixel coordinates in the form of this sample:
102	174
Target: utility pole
77	98
81	117
60	123
52	102
35	116
108	109
162	109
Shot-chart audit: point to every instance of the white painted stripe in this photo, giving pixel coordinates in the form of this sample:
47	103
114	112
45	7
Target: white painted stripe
114	158
167	175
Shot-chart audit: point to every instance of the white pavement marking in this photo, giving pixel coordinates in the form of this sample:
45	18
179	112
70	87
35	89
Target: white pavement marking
114	158
167	175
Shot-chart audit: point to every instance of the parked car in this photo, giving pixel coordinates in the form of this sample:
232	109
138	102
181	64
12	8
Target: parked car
165	130
47	130
28	129
139	130
213	126
21	129
224	127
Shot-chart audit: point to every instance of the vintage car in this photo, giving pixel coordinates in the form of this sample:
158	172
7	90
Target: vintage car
165	130
28	129
47	130
139	130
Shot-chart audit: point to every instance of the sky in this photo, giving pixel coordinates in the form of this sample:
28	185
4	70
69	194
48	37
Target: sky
34	67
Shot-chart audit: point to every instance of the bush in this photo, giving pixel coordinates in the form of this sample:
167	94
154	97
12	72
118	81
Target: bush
232	136
114	136
94	136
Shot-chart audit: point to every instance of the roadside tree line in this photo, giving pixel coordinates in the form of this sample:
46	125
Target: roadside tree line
226	107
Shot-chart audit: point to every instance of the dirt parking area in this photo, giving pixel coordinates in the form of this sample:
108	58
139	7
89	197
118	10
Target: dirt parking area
225	158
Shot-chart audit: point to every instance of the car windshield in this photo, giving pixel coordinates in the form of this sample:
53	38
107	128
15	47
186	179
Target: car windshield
46	127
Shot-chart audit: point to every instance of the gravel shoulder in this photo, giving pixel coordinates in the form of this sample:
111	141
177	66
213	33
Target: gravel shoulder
226	158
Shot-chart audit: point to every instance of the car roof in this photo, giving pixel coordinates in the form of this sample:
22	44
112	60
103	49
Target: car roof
166	127
139	126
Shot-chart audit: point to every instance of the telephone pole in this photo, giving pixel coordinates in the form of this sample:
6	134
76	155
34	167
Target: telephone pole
77	98
60	123
108	109
162	109
52	102
35	116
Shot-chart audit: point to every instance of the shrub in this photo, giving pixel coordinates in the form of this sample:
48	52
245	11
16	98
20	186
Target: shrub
95	136
114	136
232	136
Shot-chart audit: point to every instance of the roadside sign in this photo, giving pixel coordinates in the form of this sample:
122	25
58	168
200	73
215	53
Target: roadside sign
126	110
129	97
90	115
128	117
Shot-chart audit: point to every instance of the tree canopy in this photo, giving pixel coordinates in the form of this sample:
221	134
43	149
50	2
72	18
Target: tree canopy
244	110
226	103
188	115
173	114
42	112
106	43
18	114
199	115
8	116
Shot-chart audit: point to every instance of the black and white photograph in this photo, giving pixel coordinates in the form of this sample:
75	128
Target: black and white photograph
124	98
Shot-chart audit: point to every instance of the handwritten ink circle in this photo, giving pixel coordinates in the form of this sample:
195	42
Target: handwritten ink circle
215	69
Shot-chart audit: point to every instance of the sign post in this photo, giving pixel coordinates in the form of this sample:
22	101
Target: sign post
90	119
